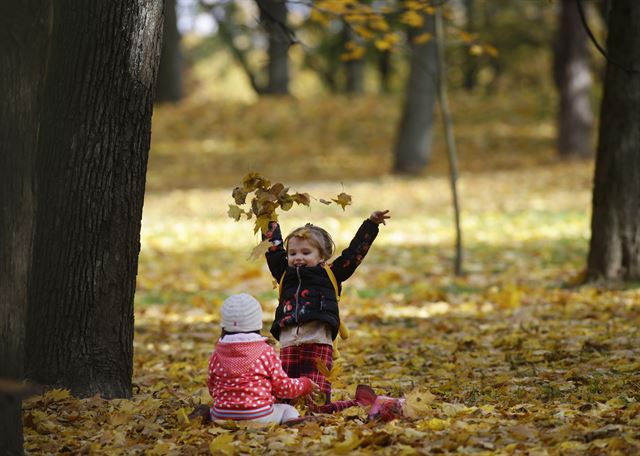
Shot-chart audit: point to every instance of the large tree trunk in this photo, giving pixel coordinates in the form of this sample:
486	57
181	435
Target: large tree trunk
415	132
353	68
273	16
573	79
91	166
384	71
614	252
169	86
24	33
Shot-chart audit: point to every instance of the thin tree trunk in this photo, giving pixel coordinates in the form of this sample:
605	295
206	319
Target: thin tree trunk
614	251
225	33
273	16
573	79
91	166
415	133
169	86
24	33
450	139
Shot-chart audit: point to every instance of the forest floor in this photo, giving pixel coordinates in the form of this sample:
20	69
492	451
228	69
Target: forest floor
513	357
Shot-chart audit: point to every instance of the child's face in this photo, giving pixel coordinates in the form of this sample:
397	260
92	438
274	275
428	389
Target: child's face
300	252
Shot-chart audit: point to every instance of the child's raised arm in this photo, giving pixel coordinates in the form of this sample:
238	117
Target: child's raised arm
276	255
351	257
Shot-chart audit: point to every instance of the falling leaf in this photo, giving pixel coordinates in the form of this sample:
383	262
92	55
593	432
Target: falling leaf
343	200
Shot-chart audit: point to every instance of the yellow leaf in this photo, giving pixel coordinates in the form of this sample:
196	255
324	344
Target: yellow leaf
436	424
262	224
260	249
343	200
379	23
235	212
476	49
322	368
493	52
466	37
453	409
161	448
418	403
422	38
347	446
382	45
412	19
319	17
182	414
222	444
57	394
355	54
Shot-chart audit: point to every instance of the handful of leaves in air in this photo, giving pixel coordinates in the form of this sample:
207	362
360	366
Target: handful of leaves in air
267	199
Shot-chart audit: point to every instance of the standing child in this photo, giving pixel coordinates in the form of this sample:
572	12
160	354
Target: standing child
245	374
307	319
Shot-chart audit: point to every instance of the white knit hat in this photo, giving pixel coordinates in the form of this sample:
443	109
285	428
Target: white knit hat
241	313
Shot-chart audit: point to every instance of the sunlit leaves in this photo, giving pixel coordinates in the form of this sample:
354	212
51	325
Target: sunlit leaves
374	23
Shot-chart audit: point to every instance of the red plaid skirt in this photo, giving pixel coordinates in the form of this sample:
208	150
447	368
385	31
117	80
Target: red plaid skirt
300	361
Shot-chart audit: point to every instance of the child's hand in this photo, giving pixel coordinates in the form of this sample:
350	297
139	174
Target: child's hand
379	216
316	395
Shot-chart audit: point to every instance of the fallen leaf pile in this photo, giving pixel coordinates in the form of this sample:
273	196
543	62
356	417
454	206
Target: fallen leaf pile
515	357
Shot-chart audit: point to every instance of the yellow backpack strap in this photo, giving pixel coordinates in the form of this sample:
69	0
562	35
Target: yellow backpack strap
343	330
332	277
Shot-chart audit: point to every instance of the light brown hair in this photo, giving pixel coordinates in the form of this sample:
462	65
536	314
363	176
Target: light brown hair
317	237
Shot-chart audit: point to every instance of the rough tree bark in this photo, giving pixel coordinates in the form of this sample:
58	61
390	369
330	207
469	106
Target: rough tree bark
573	79
90	174
24	33
614	251
415	132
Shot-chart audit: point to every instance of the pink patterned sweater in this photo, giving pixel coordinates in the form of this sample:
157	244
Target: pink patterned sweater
245	376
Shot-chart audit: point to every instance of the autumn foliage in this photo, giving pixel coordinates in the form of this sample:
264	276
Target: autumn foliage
515	357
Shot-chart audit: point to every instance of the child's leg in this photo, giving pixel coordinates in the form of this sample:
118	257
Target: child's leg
310	354
290	358
281	414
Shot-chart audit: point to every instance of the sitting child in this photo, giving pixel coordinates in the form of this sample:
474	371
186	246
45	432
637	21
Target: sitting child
245	374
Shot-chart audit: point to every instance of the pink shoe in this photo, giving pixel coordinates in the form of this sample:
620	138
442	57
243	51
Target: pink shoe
365	395
386	409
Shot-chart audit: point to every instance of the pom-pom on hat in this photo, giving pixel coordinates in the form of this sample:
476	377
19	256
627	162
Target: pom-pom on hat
241	313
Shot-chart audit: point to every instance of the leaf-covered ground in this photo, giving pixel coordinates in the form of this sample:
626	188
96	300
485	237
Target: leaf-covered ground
512	358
